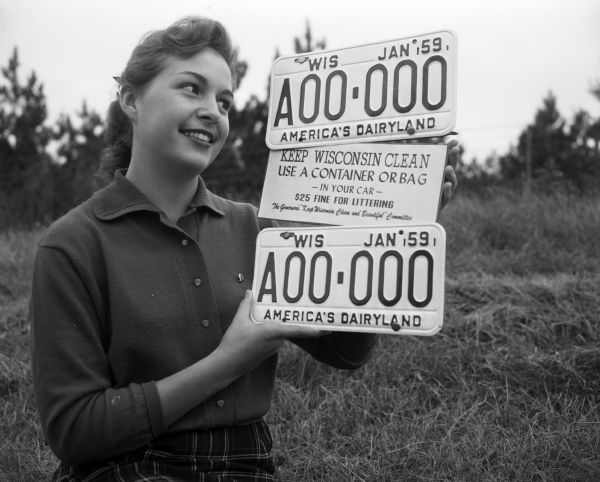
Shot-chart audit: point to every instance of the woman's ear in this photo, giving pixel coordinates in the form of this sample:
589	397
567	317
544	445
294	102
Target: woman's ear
127	100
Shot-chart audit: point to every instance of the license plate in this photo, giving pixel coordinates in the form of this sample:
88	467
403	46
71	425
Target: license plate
391	90
377	279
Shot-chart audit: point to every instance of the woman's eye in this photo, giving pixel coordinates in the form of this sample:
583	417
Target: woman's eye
225	104
191	88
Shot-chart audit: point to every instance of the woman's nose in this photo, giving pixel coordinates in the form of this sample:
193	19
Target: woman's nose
209	110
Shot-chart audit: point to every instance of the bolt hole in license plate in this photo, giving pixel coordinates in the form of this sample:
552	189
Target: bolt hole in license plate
349	278
397	89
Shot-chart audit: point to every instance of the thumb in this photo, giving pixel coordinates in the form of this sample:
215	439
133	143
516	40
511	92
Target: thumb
246	304
446	194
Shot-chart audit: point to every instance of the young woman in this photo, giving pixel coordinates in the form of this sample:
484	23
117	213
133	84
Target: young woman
146	364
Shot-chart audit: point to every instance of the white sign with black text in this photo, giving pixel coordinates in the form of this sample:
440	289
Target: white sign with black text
357	184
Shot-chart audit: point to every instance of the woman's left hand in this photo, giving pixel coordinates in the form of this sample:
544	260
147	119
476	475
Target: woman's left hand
450	181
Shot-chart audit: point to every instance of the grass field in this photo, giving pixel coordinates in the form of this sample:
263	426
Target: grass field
509	390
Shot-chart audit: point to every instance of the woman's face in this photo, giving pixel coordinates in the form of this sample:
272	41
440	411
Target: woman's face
182	115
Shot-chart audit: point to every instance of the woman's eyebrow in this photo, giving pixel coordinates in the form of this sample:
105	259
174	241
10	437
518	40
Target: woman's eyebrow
201	79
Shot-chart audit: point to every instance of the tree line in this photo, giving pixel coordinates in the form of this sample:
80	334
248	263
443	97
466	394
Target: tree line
46	169
551	153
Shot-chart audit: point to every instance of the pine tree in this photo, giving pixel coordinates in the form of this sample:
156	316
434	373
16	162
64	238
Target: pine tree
594	127
23	139
555	153
79	146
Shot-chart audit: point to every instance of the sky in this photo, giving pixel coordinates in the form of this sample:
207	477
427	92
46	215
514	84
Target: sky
511	53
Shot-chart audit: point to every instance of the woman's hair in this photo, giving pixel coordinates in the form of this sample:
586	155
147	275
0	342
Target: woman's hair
183	39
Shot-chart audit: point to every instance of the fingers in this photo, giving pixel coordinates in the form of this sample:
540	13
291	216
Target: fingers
453	149
450	183
293	331
278	329
450	178
452	143
446	194
453	154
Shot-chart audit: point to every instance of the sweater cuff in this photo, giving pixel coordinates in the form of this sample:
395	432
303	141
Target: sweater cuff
355	349
154	408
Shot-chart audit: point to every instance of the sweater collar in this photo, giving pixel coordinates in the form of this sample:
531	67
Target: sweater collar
121	197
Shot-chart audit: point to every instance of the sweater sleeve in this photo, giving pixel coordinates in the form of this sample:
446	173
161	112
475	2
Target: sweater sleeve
84	417
346	351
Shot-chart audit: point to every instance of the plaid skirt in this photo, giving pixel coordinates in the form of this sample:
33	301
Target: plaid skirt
239	453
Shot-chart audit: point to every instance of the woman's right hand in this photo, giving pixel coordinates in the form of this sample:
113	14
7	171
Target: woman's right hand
247	343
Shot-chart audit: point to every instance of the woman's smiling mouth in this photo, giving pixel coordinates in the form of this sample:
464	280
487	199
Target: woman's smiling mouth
199	135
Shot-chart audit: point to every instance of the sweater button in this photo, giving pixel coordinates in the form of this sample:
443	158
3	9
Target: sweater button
220	403
197	282
205	323
184	242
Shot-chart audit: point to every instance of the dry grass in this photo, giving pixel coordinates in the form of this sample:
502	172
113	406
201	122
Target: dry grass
23	454
509	233
509	390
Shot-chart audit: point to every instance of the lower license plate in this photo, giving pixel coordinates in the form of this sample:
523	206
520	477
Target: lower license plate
364	279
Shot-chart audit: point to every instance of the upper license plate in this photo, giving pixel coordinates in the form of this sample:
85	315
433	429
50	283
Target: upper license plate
367	279
383	91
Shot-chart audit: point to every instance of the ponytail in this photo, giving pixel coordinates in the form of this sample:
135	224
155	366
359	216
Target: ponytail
118	137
